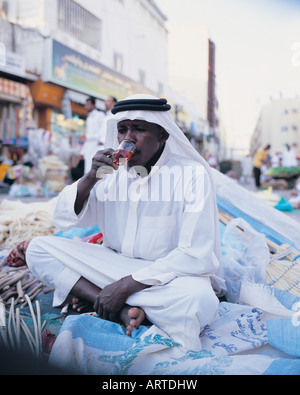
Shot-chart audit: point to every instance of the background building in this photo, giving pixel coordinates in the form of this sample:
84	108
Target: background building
192	74
278	124
65	50
59	52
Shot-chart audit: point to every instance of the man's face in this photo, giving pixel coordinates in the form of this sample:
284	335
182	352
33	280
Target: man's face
109	103
89	106
147	137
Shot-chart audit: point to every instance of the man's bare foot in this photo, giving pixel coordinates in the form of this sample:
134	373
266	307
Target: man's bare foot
132	317
80	305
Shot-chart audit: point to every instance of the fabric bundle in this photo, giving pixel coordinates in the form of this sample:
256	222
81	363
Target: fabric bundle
17	255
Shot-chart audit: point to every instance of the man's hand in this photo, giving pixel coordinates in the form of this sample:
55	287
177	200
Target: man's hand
112	298
101	165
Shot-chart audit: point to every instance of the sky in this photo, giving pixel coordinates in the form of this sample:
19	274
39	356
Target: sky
257	54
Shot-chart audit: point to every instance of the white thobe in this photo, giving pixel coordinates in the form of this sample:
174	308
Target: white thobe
289	159
94	134
166	242
107	116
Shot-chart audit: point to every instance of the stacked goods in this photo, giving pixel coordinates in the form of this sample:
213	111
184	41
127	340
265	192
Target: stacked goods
19	223
18	284
23	221
52	172
14	328
283	171
268	196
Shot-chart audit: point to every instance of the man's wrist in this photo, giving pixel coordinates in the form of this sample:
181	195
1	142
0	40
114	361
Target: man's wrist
133	285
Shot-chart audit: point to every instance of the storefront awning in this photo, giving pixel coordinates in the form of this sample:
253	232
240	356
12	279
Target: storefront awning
19	91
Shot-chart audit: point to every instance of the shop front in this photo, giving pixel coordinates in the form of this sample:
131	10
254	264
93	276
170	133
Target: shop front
76	77
74	70
57	112
16	109
69	78
61	121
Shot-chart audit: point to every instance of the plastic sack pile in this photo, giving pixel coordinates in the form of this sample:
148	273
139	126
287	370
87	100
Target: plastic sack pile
245	256
247	337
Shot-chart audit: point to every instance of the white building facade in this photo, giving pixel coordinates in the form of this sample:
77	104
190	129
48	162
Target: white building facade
278	124
68	50
192	74
126	36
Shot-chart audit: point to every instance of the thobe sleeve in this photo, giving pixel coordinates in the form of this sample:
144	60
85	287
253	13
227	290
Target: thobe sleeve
65	218
196	253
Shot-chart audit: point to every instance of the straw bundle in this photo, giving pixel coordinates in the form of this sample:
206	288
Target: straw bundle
14	328
18	283
22	221
283	271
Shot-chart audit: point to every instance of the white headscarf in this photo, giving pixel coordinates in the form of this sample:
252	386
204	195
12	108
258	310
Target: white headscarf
177	142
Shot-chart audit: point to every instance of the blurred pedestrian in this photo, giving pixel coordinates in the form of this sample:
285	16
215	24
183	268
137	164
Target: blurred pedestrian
276	160
289	158
259	159
212	161
109	105
247	169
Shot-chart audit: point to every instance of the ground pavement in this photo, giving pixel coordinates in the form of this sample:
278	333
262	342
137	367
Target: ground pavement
286	194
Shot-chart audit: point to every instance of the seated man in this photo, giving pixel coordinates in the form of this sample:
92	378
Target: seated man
160	257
